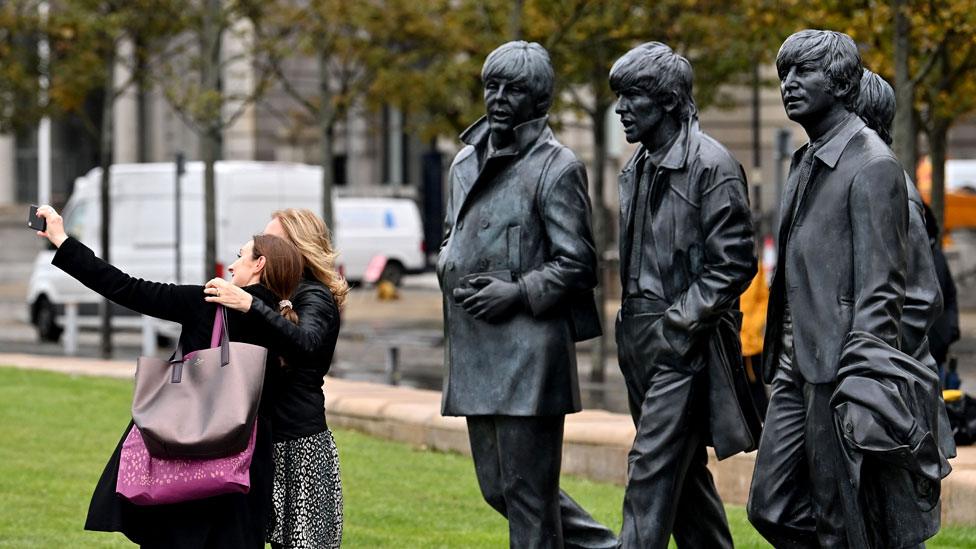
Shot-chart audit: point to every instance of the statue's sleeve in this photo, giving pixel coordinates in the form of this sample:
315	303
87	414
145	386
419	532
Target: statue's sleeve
728	263
447	227
879	226
571	264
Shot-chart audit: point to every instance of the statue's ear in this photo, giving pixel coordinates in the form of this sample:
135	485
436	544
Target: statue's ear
843	88
669	101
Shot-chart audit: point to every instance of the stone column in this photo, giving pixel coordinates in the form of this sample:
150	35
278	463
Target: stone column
8	169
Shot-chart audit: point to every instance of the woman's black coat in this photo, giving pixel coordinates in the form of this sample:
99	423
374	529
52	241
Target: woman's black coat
231	521
299	404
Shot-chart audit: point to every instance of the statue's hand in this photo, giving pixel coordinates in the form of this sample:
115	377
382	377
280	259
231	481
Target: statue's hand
494	300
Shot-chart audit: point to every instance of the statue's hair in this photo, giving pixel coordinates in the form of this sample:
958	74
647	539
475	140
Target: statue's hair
876	104
656	69
833	52
524	62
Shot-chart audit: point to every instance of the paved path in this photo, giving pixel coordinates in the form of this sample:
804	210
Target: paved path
596	441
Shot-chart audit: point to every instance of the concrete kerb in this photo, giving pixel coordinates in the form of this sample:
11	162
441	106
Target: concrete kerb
596	442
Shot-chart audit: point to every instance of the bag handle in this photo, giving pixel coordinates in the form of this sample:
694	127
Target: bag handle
220	326
220	335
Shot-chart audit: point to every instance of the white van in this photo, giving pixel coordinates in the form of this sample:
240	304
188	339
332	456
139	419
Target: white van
960	175
143	230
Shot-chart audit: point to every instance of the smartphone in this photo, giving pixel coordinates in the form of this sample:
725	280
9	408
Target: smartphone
35	222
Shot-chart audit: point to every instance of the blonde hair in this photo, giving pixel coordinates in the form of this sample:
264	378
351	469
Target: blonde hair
308	232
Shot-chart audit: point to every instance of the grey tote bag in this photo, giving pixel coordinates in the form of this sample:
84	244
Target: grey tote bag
202	405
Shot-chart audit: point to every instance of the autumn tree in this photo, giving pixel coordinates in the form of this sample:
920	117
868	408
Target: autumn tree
85	37
19	72
194	83
341	39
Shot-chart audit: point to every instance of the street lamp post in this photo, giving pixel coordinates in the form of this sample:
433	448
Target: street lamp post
178	210
44	128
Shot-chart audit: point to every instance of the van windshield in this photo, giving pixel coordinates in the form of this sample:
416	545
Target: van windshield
74	220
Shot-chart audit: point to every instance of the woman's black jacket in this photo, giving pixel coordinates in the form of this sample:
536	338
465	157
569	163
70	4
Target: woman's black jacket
299	404
236	520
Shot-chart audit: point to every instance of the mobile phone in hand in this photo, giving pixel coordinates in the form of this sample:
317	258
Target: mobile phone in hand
35	222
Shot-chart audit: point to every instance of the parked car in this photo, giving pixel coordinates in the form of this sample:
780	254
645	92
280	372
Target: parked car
143	234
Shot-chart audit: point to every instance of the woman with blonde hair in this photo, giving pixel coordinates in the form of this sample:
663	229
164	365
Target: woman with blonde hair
307	490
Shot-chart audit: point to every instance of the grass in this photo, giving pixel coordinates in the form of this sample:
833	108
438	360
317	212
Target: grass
58	430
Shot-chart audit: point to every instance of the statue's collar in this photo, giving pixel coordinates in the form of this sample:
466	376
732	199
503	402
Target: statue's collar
525	134
829	153
836	141
677	156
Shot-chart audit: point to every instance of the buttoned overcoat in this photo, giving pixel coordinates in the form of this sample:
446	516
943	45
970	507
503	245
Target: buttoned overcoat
522	214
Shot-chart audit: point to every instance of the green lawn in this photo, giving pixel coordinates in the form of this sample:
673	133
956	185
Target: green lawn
57	431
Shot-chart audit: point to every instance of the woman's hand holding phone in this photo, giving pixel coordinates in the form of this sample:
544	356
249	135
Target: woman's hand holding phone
55	226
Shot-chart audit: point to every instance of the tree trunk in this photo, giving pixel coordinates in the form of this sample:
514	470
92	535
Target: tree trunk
326	132
904	131
210	142
515	20
142	105
938	139
107	137
600	238
209	147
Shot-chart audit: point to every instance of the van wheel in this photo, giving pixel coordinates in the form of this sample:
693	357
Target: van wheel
44	320
392	272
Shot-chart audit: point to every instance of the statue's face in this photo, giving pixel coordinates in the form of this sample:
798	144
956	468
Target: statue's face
807	92
639	113
508	103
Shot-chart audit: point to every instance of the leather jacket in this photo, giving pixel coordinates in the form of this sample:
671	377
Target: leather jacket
307	349
701	227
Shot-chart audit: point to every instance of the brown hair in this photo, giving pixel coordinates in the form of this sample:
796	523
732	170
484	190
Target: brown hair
313	239
282	269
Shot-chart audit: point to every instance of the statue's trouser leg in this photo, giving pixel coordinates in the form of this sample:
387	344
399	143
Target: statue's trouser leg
669	488
517	461
794	500
580	530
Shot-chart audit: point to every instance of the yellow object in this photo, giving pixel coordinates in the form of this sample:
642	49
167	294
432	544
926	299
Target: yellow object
951	395
753	304
960	205
386	291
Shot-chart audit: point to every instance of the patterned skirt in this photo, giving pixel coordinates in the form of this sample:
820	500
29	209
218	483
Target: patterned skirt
307	493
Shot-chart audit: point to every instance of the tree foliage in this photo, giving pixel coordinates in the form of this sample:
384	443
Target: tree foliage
20	105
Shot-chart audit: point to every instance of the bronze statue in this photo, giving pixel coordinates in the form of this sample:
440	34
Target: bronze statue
517	267
686	254
837	341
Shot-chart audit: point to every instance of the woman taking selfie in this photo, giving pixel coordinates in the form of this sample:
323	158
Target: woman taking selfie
268	269
307	490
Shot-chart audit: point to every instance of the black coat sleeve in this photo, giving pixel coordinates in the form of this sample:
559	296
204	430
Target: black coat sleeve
167	301
879	223
318	324
571	265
